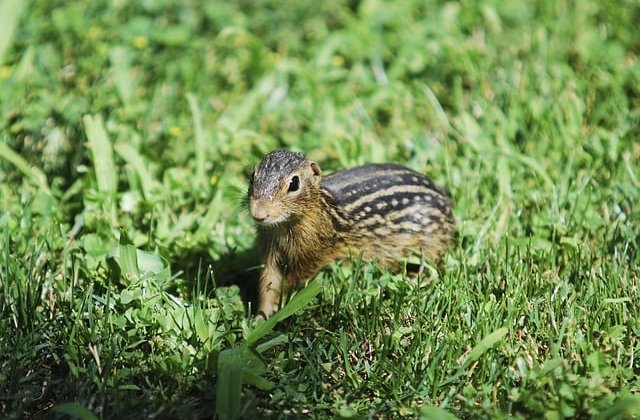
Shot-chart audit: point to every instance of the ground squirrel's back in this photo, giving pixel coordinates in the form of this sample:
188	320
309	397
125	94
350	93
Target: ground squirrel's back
400	208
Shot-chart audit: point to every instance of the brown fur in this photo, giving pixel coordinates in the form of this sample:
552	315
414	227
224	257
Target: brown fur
301	230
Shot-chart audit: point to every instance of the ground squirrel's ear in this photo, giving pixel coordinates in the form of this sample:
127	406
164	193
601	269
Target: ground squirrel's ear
315	169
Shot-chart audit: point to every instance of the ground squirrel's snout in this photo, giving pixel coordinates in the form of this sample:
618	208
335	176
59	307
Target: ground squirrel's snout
258	212
262	211
259	218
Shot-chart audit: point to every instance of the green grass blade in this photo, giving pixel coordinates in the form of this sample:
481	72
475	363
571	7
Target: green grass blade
125	82
147	262
200	139
229	388
235	367
297	303
626	407
440	115
275	341
128	257
35	175
76	411
485	344
435	413
237	115
102	153
531	163
129	261
10	12
130	155
251	378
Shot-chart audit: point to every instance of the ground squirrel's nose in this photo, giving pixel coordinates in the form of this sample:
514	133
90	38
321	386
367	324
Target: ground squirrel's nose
257	211
259	218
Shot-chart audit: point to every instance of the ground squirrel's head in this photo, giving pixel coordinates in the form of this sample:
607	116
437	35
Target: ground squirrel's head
281	185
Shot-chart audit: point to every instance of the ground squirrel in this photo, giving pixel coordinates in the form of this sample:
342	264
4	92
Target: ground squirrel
305	220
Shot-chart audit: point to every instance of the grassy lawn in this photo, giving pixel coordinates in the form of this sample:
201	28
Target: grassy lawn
128	263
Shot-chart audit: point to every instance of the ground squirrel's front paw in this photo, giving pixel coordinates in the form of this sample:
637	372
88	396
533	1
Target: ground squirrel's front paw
265	311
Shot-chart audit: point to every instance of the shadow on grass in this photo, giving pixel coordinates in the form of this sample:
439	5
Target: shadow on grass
240	268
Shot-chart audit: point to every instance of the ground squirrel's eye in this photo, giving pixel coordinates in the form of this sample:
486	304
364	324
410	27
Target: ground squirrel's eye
294	184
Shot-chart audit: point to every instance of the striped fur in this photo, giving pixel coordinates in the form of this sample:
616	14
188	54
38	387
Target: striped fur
391	196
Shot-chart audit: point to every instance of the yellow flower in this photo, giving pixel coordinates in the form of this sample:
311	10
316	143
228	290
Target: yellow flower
140	42
5	72
175	131
338	61
94	33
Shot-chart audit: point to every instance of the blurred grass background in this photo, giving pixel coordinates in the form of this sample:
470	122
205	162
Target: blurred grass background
128	129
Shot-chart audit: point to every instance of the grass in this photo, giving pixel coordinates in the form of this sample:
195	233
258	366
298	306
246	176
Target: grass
128	265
